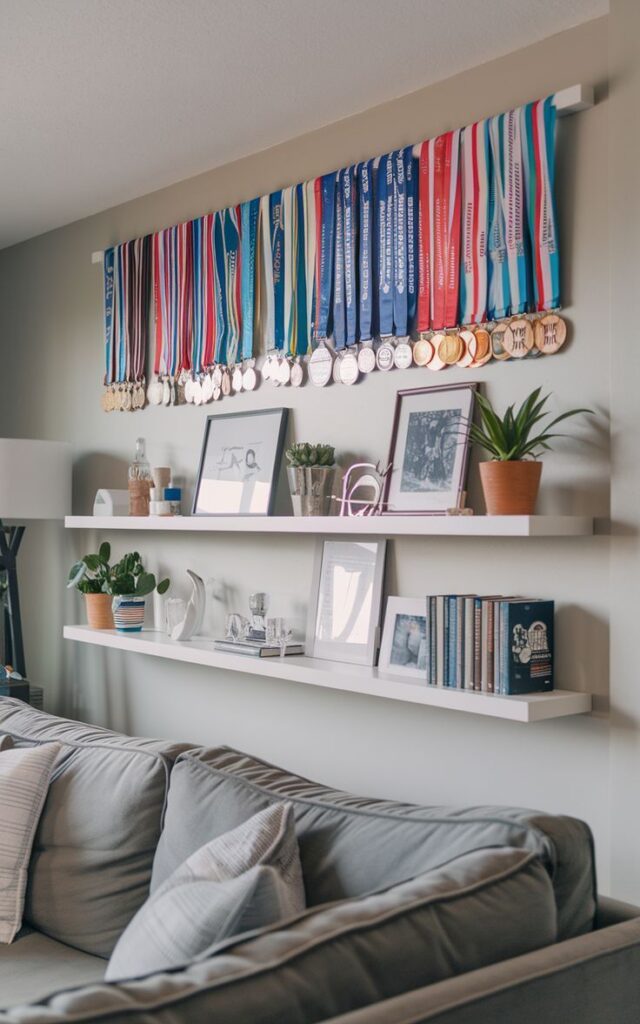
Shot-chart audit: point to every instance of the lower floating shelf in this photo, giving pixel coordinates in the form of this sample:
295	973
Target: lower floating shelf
335	675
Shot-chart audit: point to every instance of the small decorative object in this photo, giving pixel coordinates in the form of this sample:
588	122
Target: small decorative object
354	482
311	473
429	450
194	611
278	633
236	627
403	651
121	588
344	613
110	502
174	496
239	464
511	480
174	611
139	482
258	605
161	477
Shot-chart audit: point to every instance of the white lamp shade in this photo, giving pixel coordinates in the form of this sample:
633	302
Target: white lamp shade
35	479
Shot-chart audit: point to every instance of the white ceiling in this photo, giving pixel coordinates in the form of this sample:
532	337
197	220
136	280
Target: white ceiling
105	100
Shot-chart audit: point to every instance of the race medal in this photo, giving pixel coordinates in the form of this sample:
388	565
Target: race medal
349	371
249	377
118	396
274	372
207	388
366	359
105	401
550	333
127	403
154	392
482	347
518	342
284	372
188	390
196	392
236	379
437	363
297	374
450	349
499	334
166	392
216	393
217	376
468	340
226	383
384	356
403	355
320	366
422	352
336	370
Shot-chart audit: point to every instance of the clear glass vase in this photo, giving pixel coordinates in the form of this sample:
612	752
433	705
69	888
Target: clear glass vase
311	489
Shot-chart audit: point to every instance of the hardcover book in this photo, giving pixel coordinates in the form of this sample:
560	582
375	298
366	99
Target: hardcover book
526	656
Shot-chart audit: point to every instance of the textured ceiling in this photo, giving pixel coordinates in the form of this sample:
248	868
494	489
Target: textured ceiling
101	102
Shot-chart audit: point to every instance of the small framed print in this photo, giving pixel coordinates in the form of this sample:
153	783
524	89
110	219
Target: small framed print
429	450
346	597
240	463
404	638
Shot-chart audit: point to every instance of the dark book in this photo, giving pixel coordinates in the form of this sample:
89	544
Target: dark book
525	664
256	648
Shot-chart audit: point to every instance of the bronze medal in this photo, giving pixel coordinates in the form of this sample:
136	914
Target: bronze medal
423	352
518	341
450	349
498	348
468	340
481	347
436	363
550	333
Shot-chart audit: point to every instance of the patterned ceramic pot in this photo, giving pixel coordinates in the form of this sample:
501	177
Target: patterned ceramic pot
128	613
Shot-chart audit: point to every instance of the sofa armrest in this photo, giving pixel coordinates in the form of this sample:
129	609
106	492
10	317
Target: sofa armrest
591	979
612	911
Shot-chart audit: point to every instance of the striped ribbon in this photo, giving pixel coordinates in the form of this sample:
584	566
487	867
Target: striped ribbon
325	196
339	320
411	179
310	241
350	242
299	346
446	229
173	299
475	174
509	278
109	322
366	261
425	236
220	279
384	239
202	293
290	228
138	321
499	283
249	232
231	234
399	244
538	141
276	228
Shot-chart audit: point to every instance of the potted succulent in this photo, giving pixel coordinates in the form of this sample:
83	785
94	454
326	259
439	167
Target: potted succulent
311	472
114	594
511	479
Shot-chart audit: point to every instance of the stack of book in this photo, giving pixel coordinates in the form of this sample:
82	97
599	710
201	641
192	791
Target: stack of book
492	644
257	648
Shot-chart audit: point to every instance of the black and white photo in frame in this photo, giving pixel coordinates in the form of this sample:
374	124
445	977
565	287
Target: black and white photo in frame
404	638
429	449
240	463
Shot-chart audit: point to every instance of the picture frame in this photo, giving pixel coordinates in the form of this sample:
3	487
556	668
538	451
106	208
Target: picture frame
429	450
403	651
240	463
343	623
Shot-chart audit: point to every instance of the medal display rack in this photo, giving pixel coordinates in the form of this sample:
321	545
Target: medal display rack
333	675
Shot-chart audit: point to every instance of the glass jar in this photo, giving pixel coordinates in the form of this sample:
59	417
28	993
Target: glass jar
140	482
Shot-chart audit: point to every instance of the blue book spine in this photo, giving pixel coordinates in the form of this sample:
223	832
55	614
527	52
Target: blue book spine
433	645
503	659
453	641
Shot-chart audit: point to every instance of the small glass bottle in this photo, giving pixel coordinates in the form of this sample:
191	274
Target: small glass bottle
140	482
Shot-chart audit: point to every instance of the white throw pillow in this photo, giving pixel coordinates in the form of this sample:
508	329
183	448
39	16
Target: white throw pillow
24	782
245	879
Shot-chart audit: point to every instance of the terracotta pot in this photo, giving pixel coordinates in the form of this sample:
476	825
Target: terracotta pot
510	488
99	614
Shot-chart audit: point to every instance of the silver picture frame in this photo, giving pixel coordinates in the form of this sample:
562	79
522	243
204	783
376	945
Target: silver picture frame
403	650
343	623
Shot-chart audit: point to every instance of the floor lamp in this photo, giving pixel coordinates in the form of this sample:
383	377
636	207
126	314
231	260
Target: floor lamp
35	483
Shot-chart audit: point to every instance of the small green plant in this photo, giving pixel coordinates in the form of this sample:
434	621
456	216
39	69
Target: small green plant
305	454
509	438
94	575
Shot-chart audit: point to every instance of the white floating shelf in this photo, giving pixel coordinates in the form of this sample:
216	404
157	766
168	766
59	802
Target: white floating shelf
388	526
339	676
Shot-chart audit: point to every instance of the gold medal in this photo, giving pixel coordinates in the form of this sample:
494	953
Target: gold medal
550	333
498	347
450	349
436	363
468	340
423	352
518	341
481	347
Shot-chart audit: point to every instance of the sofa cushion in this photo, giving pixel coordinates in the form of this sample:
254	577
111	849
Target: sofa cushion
34	965
92	856
24	781
482	907
351	845
246	879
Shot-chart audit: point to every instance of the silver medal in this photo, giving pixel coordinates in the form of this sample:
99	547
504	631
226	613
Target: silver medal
297	374
384	356
217	375
196	392
349	371
188	390
403	354
154	392
284	371
335	371
236	378
207	388
366	359
216	393
320	366
166	392
249	377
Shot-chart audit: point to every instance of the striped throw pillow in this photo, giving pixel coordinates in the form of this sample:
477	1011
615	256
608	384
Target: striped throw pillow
24	782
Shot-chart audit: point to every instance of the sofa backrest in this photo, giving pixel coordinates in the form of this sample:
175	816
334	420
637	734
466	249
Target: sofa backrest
91	864
460	917
351	845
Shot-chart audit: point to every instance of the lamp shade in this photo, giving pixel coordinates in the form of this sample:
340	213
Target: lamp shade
35	479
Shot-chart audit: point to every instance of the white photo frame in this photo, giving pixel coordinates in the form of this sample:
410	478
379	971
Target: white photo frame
346	598
403	651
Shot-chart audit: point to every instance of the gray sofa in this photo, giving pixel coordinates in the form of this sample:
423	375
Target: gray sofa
514	930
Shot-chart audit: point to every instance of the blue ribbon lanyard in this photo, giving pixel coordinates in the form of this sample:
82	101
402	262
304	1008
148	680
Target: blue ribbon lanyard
350	198
302	313
325	256
339	323
108	316
221	289
199	284
249	233
411	179
365	254
399	245
384	238
276	229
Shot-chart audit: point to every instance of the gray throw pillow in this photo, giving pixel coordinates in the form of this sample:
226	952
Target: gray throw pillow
246	879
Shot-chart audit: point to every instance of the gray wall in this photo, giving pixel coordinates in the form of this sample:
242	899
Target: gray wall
50	331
